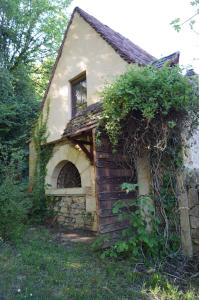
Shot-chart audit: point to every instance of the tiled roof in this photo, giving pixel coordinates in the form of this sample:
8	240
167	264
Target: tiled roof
84	121
191	72
123	46
169	60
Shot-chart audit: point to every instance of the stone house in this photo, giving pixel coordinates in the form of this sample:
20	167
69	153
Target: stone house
85	177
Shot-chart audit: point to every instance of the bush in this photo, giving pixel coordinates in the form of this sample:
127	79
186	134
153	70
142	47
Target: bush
14	202
136	241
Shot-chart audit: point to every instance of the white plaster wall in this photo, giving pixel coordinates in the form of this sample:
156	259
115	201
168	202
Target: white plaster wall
84	50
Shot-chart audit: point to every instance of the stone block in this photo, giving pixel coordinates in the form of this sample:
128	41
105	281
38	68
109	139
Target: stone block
194	211
69	220
195	233
89	191
61	219
90	204
196	250
194	222
64	209
79	220
193	197
195	242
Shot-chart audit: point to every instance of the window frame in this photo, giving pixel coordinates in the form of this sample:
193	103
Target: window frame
74	182
73	82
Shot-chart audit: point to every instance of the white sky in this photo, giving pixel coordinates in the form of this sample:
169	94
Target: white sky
147	24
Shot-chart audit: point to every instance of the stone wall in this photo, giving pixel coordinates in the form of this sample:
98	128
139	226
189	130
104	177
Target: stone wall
193	200
71	212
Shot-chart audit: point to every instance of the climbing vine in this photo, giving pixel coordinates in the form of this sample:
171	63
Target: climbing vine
43	154
148	109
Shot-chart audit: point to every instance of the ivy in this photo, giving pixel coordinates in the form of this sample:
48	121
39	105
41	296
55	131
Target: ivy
151	91
147	109
43	154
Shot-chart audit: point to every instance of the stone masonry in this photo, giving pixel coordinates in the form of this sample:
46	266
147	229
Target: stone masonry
193	200
71	211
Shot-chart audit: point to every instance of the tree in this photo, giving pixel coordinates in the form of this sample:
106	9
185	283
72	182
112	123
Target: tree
30	34
30	30
177	23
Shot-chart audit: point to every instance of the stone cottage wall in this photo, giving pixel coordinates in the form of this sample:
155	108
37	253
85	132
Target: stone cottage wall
73	208
71	212
193	201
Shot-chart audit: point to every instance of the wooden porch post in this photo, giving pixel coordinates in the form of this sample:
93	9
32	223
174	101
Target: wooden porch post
185	227
144	182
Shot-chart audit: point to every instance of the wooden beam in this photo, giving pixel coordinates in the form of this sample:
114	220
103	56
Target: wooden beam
88	153
82	144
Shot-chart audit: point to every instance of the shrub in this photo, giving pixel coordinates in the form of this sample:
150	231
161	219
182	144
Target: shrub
14	201
136	241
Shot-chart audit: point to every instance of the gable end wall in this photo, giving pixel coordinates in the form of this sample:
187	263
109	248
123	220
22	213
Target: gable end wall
83	50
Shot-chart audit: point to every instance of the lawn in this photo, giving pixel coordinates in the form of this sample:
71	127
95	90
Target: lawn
40	267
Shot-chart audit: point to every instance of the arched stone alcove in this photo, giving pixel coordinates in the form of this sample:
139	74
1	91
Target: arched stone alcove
76	205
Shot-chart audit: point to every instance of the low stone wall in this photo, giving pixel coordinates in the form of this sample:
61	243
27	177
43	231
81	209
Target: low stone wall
71	212
71	207
193	200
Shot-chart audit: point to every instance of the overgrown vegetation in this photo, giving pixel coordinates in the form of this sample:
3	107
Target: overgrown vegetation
14	201
162	98
30	34
146	110
43	154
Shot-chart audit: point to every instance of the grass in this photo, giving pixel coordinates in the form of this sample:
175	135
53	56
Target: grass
38	267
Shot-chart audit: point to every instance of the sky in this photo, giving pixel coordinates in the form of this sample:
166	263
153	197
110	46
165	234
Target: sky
147	24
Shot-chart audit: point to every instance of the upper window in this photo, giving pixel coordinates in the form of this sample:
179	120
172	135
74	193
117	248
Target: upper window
79	94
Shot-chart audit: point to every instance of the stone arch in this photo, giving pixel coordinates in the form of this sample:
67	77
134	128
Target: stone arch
63	153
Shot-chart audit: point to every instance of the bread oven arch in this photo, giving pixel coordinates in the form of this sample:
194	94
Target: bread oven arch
68	175
62	155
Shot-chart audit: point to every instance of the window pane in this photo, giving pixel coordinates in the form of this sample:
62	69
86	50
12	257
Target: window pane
79	95
69	176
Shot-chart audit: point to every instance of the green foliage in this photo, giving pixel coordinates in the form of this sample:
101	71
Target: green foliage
40	74
147	108
18	109
178	23
30	30
43	154
14	201
152	92
30	34
136	240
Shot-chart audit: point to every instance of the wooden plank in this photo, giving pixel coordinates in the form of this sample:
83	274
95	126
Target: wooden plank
107	187
108	196
109	220
113	173
109	156
108	164
114	180
108	204
113	227
95	174
103	213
